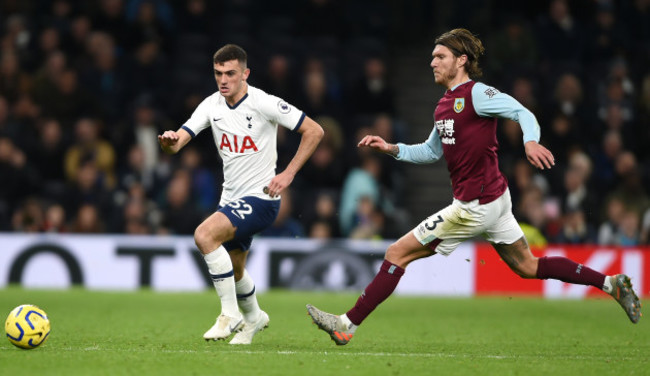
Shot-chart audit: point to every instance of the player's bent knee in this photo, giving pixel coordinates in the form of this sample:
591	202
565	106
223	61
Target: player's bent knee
203	239
398	255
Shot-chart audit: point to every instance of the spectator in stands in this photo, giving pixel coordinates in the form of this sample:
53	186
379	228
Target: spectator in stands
369	221
47	153
87	220
608	230
524	177
279	78
180	215
205	186
135	171
560	37
629	235
361	182
605	37
55	219
629	182
322	219
532	217
330	20
14	82
577	196
194	18
134	217
80	29
29	216
316	98
69	100
563	135
18	38
105	76
576	229
150	20
523	90
513	50
88	188
148	71
373	93
326	168
8	126
604	162
321	230
46	77
49	41
569	100
90	147
19	179
111	19
644	237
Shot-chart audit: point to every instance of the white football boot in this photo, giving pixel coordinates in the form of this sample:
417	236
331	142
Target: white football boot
245	336
224	327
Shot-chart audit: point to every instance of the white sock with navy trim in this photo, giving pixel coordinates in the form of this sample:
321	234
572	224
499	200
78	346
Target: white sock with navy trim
247	298
223	278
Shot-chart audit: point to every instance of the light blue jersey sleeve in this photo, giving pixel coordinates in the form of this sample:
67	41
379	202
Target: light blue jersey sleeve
490	102
427	152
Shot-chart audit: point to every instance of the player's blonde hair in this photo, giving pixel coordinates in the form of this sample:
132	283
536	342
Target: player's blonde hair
463	42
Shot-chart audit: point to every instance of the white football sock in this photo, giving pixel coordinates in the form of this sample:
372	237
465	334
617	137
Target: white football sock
223	278
608	286
348	324
246	298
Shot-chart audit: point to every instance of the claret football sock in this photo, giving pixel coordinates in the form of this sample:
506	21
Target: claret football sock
220	268
569	271
376	292
246	298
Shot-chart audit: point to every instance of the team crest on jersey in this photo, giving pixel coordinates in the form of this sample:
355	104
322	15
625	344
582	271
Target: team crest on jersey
284	107
459	104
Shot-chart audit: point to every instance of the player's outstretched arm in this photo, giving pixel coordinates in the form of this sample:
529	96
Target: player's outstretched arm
173	141
377	143
538	155
311	134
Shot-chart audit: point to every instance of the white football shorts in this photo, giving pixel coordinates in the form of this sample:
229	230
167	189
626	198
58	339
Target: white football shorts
463	220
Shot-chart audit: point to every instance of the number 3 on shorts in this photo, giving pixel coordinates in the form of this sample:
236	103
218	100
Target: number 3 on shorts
240	208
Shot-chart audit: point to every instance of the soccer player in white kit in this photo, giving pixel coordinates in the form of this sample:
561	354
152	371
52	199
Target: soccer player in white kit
244	123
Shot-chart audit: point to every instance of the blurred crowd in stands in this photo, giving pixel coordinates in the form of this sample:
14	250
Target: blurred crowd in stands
86	86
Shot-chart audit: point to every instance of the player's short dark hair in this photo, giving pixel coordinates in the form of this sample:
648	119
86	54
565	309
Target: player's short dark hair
463	42
230	52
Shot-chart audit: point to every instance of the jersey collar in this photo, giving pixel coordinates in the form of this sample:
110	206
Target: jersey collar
462	83
238	102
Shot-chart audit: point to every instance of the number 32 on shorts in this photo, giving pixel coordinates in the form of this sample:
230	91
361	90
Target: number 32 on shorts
240	208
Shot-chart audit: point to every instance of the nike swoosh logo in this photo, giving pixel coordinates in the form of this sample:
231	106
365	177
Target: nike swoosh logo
215	120
232	328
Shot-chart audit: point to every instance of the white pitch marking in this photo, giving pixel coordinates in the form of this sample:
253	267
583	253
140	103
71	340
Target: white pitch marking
325	353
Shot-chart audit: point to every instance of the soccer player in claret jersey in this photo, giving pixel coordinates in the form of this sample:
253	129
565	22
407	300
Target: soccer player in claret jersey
244	123
465	133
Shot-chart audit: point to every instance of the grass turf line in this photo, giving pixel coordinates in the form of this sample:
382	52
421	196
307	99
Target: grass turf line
146	333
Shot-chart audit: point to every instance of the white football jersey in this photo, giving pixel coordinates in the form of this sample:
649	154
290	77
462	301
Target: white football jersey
246	138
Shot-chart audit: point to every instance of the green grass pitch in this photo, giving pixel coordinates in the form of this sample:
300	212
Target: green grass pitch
150	333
